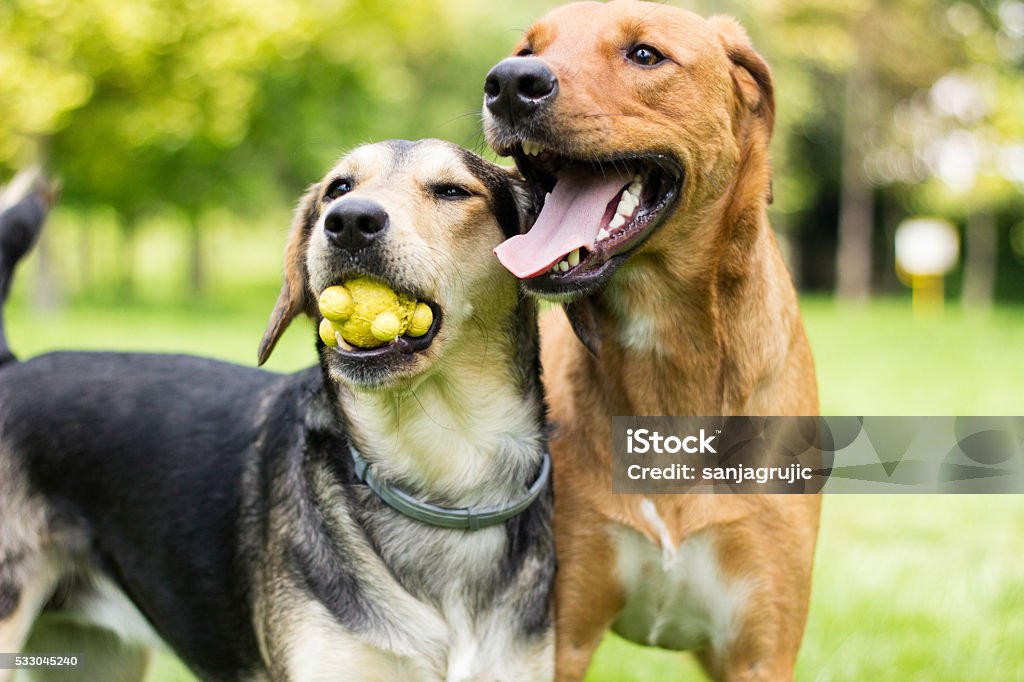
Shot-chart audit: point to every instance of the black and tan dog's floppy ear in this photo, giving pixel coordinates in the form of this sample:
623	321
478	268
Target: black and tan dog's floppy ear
511	201
750	73
294	298
515	207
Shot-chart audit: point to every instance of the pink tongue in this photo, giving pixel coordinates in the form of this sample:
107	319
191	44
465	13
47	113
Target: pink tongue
570	219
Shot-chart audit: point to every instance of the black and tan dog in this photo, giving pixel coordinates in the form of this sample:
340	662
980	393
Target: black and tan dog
644	131
223	511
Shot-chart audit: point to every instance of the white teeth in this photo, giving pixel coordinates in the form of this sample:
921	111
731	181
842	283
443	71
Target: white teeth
560	266
532	148
574	258
603	233
342	343
627	204
635	189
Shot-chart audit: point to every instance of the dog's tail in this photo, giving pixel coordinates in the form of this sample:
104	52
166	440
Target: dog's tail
24	204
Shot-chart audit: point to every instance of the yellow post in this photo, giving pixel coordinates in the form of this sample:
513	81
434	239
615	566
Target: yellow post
928	293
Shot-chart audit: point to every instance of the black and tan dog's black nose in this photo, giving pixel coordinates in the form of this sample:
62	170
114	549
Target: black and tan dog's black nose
519	86
354	223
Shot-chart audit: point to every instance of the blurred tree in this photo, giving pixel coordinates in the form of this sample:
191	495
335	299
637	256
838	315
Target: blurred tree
957	147
878	53
149	103
898	57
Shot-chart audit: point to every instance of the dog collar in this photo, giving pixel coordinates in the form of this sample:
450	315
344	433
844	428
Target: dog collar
467	518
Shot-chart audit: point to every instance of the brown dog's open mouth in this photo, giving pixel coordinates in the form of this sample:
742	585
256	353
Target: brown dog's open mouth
592	213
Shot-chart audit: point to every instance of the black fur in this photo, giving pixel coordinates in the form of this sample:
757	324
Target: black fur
144	455
20	225
585	321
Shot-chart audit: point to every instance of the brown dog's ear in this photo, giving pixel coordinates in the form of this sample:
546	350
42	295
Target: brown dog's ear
294	298
750	73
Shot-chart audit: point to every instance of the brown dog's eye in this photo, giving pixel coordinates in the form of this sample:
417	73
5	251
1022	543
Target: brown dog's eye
450	192
525	52
337	189
645	55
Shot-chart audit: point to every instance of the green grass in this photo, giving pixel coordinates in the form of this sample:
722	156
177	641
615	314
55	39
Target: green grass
879	359
907	588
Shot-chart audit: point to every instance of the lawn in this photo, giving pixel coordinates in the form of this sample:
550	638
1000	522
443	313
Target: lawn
907	588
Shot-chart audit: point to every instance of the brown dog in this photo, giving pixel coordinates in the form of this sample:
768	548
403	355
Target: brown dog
683	300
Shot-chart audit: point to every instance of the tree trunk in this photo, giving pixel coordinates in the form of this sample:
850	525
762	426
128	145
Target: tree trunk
980	261
196	269
856	200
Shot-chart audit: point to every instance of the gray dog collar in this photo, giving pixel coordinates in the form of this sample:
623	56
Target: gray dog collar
467	518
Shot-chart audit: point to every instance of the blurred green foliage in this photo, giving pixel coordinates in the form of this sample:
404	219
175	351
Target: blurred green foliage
193	104
178	113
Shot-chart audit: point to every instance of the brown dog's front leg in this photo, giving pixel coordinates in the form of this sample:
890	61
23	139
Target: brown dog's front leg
777	565
587	594
578	632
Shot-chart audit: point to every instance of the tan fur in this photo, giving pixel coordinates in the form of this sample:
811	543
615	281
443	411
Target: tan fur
712	287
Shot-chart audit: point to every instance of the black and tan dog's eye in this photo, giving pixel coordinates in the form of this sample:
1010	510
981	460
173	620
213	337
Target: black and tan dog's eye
338	188
450	192
645	55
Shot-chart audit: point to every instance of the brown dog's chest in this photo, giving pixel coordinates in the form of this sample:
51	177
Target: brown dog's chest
676	595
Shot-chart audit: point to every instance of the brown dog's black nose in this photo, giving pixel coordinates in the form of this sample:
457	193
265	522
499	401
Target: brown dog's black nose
519	86
354	223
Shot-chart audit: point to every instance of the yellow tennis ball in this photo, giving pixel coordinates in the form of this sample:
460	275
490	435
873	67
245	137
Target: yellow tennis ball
371	297
336	303
422	318
386	326
327	333
368	313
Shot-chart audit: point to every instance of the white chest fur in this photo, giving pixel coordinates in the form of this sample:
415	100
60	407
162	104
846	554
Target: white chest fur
436	649
676	596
